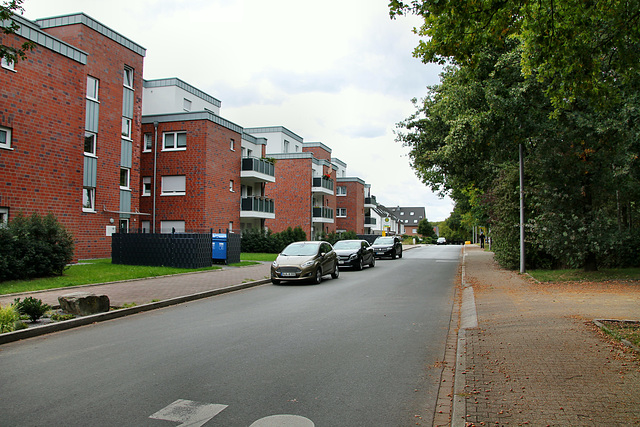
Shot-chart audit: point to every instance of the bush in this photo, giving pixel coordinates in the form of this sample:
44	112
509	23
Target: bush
31	307
333	237
8	318
34	246
256	240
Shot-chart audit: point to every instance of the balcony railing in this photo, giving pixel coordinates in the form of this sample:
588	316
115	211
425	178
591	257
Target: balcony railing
370	221
321	212
370	200
258	165
322	182
257	204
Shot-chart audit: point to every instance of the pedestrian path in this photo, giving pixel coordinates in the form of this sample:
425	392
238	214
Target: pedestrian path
535	357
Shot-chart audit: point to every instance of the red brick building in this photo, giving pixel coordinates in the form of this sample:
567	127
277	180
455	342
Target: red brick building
350	210
70	126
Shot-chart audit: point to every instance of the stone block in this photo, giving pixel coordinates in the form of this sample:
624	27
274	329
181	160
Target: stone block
84	303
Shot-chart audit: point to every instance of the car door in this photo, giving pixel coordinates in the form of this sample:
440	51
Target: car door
366	251
329	259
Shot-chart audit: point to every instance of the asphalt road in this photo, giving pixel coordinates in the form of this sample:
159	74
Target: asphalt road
361	350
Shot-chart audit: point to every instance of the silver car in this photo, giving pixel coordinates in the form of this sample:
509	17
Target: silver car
305	261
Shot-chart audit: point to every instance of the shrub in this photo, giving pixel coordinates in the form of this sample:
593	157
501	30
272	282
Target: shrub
264	241
31	307
8	318
34	246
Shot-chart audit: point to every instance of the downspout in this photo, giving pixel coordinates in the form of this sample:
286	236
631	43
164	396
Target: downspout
155	169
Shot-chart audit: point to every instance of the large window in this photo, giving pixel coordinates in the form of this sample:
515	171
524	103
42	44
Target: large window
170	226
174	185
93	85
5	137
174	141
89	199
90	143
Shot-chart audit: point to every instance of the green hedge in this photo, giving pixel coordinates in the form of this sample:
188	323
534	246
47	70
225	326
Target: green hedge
34	246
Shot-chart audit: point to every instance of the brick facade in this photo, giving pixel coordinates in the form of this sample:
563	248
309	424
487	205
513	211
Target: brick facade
43	102
353	202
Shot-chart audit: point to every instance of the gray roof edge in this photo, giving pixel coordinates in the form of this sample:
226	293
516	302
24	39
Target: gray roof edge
317	144
291	155
271	129
174	81
193	115
350	179
31	31
82	18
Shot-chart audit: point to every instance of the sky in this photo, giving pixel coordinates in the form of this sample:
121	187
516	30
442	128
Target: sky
340	72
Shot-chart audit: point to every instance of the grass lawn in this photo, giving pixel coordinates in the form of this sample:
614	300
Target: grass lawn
101	271
586	276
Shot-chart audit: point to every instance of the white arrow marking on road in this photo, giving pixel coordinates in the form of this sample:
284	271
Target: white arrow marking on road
283	421
189	413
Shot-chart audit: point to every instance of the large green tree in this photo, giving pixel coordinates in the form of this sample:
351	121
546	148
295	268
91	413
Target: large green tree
8	26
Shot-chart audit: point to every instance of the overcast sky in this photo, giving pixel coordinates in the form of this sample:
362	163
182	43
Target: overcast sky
338	72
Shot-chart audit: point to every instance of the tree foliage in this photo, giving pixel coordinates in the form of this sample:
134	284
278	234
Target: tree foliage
8	26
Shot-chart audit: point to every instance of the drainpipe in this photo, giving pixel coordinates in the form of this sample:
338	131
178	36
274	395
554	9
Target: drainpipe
155	169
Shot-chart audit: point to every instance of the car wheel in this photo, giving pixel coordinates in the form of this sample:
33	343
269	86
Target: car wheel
393	254
336	272
318	277
275	281
373	262
359	264
400	255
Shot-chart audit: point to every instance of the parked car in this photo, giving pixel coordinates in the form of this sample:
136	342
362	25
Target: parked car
354	253
390	246
305	261
441	241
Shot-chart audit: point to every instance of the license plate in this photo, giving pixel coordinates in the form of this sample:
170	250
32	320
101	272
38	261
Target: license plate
288	274
340	262
379	253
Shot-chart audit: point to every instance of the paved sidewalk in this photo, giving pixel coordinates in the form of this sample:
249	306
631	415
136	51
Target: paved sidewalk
536	358
143	291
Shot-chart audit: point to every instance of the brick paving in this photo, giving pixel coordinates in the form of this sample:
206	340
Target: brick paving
144	291
536	358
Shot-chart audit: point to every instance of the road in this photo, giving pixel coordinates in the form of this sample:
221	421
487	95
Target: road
361	350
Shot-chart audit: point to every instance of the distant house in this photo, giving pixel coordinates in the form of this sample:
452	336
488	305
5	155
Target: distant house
410	218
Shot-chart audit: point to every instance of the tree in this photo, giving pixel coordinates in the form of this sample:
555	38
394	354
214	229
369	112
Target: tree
425	229
580	49
8	26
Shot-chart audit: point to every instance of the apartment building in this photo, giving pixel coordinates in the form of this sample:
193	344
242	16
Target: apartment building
70	128
191	161
305	182
410	218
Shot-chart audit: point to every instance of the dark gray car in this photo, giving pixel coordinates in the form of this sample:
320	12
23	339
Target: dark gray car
305	261
354	253
388	246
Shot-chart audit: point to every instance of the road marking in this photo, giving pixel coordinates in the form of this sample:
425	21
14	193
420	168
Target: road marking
189	413
283	421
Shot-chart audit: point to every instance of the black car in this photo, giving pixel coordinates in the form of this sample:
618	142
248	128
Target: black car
354	253
387	246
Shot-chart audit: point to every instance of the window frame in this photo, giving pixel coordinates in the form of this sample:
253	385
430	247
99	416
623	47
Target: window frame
7	144
186	104
175	146
95	143
146	180
92	199
95	96
342	192
127	178
339	211
126	133
147	136
128	72
4	216
8	64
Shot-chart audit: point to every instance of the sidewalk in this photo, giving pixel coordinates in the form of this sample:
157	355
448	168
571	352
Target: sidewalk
535	357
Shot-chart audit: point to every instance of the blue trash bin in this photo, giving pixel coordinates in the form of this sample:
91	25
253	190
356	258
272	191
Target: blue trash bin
219	246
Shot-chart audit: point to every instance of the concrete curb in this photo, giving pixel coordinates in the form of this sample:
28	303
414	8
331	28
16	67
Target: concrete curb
468	320
101	317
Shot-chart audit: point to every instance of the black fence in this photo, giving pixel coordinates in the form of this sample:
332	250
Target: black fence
181	250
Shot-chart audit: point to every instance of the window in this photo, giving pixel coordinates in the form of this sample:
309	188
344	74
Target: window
175	141
230	226
90	143
89	199
124	178
5	138
146	226
232	145
341	191
148	142
170	226
146	186
93	85
174	185
401	213
4	216
186	104
286	147
126	128
341	212
412	213
7	64
128	77
123	226
231	186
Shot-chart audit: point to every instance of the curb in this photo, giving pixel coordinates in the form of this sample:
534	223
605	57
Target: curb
101	317
468	320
